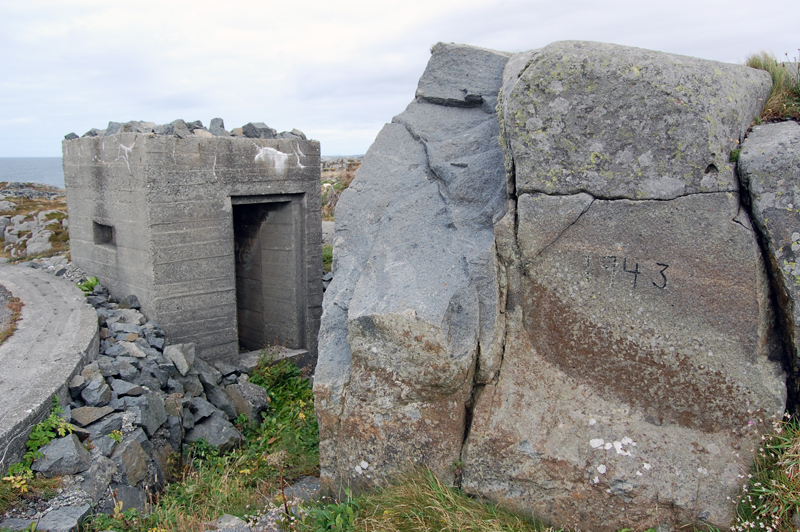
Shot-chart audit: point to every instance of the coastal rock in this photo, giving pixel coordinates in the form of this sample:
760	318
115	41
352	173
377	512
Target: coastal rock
414	301
62	456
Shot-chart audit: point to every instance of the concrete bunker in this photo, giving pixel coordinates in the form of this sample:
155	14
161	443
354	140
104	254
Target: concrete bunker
219	237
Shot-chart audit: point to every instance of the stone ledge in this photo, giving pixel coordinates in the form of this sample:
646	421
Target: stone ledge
56	336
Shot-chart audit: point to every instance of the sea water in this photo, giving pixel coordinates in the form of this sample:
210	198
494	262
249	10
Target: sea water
47	170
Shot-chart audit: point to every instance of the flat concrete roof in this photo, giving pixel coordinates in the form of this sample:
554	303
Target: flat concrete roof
56	336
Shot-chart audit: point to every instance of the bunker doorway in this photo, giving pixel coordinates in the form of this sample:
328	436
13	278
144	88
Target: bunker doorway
267	232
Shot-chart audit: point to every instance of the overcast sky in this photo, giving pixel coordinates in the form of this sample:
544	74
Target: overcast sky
338	70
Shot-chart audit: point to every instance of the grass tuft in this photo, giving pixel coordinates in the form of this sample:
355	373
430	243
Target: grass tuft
418	503
784	100
772	498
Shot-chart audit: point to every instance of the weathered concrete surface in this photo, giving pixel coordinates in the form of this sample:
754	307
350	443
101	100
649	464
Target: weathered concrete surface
153	216
641	338
769	166
56	336
622	122
414	297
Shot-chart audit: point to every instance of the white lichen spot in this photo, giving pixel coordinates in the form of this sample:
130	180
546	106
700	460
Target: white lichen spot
601	469
647	466
359	470
608	446
597	442
595	480
638	473
592	421
364	465
702	470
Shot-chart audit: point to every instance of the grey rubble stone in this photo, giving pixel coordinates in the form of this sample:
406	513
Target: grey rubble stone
769	167
414	248
622	122
305	489
126	370
105	426
97	478
226	369
62	456
94	132
13	523
130	302
249	399
76	386
115	350
130	314
64	519
106	364
164	129
149	410
71	136
131	461
130	497
207	374
462	76
124	388
201	408
258	130
192	387
217	431
87	415
139	435
229	521
217	397
105	445
180	129
133	350
113	128
217	128
182	355
197	124
122	327
97	392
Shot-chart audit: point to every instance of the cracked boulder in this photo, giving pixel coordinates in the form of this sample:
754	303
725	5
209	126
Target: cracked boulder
769	166
414	304
641	346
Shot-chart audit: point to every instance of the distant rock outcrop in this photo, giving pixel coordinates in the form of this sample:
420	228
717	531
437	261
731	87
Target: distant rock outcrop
581	324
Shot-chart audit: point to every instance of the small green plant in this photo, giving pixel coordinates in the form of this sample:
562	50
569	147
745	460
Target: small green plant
333	515
41	434
88	285
116	436
735	155
327	257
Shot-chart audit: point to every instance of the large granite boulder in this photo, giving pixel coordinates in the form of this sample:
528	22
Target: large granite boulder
414	301
769	166
585	319
641	338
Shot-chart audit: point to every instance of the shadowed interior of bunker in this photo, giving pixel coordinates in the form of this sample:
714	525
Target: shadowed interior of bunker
269	270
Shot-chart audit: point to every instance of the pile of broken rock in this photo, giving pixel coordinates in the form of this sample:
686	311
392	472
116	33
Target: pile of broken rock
182	129
138	403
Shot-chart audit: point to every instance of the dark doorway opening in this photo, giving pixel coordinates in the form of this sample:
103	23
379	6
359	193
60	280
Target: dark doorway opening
270	285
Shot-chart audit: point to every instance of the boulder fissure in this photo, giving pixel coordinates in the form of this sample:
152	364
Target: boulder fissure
779	294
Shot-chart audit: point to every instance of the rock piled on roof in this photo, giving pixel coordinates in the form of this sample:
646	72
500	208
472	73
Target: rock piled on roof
182	129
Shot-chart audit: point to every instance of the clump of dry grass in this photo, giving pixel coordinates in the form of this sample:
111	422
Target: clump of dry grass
15	305
784	100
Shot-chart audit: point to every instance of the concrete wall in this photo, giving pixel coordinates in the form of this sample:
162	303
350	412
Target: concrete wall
170	202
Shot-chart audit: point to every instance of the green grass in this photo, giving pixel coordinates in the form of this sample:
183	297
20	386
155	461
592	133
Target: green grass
418	503
784	100
285	445
773	492
327	258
